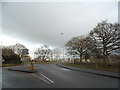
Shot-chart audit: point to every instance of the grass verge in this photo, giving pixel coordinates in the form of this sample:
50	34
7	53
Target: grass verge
38	62
7	65
111	68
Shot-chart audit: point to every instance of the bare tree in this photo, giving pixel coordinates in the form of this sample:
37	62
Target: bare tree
77	46
57	54
107	36
44	52
18	48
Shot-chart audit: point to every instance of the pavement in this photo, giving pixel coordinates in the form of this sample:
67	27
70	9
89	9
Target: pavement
92	71
54	76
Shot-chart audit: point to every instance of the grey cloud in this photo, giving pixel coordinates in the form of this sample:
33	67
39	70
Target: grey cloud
43	22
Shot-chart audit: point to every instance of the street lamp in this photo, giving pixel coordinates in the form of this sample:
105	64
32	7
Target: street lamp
63	47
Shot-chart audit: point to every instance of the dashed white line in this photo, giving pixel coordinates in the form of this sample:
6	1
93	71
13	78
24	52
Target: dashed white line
40	78
65	69
47	78
34	75
44	78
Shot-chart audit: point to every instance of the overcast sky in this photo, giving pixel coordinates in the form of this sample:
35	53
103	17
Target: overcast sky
34	23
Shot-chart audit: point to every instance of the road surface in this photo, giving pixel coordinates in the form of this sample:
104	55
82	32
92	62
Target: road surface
53	76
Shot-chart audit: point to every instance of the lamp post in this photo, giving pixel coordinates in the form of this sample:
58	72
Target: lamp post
63	47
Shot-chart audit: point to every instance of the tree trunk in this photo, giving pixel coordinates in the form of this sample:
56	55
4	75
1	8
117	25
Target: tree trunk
104	59
43	58
104	54
96	63
107	60
80	58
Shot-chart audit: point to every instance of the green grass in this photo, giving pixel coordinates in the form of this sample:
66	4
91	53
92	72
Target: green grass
112	68
38	62
6	65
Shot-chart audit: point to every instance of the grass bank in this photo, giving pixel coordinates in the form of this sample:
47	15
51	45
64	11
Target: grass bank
38	62
8	65
111	68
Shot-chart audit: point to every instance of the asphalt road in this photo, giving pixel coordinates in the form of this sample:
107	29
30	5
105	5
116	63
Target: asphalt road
52	76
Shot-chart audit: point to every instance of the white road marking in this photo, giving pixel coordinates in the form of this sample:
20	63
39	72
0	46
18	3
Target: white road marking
40	78
47	78
34	75
65	69
43	79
